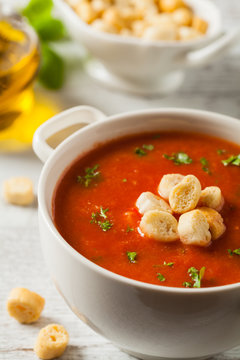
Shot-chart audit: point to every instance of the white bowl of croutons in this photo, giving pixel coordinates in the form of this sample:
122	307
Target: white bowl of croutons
157	277
145	46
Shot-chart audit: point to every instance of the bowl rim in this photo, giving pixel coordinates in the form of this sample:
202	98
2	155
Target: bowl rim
131	40
212	117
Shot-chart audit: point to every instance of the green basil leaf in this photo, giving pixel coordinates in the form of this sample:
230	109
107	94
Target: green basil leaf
51	73
49	29
37	8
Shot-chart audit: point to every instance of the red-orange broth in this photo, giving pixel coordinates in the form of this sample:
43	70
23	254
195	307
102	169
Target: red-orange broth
124	176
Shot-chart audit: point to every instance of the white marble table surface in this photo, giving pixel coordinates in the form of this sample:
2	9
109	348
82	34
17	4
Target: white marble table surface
215	87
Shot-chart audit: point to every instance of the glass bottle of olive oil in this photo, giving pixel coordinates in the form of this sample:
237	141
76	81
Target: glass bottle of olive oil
20	113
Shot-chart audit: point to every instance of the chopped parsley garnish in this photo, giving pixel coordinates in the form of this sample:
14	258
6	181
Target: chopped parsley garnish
149	147
103	212
97	214
124	180
232	160
205	165
232	252
161	277
90	174
129	229
196	276
141	151
94	218
187	284
132	256
179	158
170	264
104	225
221	151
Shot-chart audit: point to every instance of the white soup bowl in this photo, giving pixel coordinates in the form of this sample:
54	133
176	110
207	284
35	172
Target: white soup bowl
148	321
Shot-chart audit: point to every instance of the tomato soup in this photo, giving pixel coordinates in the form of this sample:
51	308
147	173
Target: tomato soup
94	207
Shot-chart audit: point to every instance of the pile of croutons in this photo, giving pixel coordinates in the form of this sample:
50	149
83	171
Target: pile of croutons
167	20
200	221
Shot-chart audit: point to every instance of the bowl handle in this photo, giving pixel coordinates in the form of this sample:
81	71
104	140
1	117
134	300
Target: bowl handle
211	51
82	115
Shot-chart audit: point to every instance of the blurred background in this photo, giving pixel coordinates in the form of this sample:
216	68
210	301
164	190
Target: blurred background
213	87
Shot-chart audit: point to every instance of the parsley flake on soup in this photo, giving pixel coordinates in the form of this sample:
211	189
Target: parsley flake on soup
205	165
161	277
179	158
90	175
234	252
232	160
143	150
132	256
95	219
